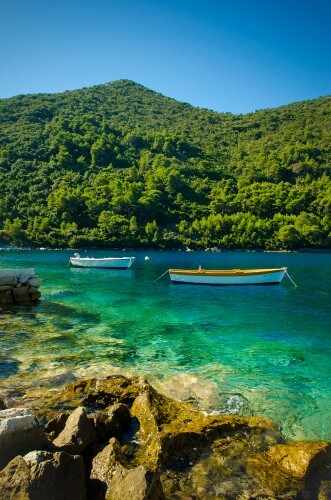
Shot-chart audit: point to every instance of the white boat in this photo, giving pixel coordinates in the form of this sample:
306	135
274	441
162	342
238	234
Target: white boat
228	277
104	262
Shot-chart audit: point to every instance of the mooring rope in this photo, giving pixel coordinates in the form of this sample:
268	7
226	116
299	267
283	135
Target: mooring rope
157	279
289	277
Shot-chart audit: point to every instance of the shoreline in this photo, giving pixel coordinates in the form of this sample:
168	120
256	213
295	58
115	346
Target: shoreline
120	435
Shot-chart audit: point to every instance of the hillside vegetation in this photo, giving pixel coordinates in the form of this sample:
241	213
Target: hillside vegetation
119	165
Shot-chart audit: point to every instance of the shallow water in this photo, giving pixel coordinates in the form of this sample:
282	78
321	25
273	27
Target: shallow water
262	350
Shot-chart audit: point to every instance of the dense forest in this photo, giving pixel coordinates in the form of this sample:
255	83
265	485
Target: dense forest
118	165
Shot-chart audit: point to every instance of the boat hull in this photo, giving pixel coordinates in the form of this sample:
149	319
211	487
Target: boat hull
233	277
106	263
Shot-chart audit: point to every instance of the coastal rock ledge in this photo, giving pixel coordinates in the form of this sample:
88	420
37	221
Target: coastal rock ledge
19	286
119	439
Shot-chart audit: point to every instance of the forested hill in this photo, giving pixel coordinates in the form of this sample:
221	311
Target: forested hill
119	165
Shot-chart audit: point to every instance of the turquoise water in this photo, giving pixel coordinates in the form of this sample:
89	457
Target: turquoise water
262	350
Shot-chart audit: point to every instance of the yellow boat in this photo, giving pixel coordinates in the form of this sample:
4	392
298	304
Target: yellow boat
228	277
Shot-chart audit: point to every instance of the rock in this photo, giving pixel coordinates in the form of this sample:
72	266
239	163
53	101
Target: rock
94	394
20	432
77	434
8	280
24	278
103	466
173	433
34	296
138	484
35	281
112	421
298	466
41	475
15	480
21	295
2	405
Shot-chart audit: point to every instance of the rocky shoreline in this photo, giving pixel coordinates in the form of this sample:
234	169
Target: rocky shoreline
118	438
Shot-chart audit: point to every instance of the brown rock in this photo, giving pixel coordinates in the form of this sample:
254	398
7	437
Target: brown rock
138	484
77	434
298	466
15	480
103	466
171	432
43	475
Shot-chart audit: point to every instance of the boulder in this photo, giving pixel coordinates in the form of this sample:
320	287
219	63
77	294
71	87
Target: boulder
298	466
77	434
138	484
102	469
34	281
20	432
15	480
41	475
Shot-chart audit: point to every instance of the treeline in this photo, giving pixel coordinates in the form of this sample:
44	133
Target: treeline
119	165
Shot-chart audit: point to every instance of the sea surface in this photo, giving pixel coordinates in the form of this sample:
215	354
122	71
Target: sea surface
254	350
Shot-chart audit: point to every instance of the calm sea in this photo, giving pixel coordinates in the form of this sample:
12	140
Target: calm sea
260	350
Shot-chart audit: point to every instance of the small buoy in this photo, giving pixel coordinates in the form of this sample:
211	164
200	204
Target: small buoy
146	258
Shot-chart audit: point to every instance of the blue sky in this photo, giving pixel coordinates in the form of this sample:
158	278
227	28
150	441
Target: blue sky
224	55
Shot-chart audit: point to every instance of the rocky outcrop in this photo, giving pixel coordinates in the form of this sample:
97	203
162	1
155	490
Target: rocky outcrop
41	475
139	444
19	286
20	432
297	466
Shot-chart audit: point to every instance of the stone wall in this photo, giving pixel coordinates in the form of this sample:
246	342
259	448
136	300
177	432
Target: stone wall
19	286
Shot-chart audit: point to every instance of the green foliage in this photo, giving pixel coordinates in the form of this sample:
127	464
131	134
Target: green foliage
120	165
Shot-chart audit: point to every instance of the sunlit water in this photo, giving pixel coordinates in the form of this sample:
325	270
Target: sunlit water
262	350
